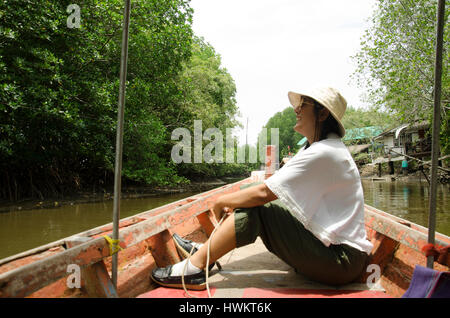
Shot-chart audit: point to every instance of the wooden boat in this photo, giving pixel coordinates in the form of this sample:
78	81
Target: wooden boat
146	241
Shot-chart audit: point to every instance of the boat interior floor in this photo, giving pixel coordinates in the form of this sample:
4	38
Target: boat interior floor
253	272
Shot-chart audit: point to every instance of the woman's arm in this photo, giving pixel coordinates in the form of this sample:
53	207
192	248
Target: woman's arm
247	198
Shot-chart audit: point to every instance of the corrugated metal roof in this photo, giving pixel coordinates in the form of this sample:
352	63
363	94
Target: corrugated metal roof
362	133
411	127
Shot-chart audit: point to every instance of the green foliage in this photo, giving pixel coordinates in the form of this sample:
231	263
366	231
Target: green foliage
285	122
361	158
396	62
208	95
208	89
59	93
358	118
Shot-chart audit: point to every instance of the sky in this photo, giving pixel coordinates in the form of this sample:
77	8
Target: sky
271	47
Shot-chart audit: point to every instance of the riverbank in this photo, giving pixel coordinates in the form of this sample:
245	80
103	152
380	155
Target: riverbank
370	172
127	193
367	172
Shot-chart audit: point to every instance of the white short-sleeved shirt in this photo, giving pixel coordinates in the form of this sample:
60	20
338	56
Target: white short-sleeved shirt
321	187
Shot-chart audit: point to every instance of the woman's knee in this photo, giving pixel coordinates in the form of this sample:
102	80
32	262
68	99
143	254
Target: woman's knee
247	225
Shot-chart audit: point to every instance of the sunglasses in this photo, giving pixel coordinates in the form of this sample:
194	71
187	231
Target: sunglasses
302	103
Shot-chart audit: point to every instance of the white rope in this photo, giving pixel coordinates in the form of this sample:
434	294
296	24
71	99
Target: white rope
208	252
207	261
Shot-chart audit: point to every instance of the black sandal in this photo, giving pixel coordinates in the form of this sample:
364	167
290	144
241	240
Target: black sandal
162	276
184	248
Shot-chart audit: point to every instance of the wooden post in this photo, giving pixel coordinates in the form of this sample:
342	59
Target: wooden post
391	167
97	282
270	161
206	223
119	133
163	249
381	254
440	15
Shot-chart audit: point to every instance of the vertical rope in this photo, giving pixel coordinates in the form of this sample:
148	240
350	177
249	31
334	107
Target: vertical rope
207	261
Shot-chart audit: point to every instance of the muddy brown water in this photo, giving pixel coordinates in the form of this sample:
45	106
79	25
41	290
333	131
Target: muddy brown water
27	229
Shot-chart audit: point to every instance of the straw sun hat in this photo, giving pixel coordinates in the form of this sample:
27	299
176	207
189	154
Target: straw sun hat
327	97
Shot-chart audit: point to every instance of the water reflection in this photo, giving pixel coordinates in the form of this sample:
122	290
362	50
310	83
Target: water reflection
409	200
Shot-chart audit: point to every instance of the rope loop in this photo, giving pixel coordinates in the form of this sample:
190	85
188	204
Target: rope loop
114	246
207	262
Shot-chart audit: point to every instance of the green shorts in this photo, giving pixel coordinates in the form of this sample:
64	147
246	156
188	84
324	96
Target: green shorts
286	237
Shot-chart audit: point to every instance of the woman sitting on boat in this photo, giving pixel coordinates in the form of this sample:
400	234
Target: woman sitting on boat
310	213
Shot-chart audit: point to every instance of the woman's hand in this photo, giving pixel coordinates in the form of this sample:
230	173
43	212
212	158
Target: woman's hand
218	209
246	198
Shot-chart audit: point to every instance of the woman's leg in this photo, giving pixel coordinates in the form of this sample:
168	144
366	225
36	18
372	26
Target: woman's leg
223	241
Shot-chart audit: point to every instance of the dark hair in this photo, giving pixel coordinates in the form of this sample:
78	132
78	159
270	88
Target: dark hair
330	125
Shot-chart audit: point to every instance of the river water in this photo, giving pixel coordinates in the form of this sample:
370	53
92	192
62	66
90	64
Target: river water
27	229
410	200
